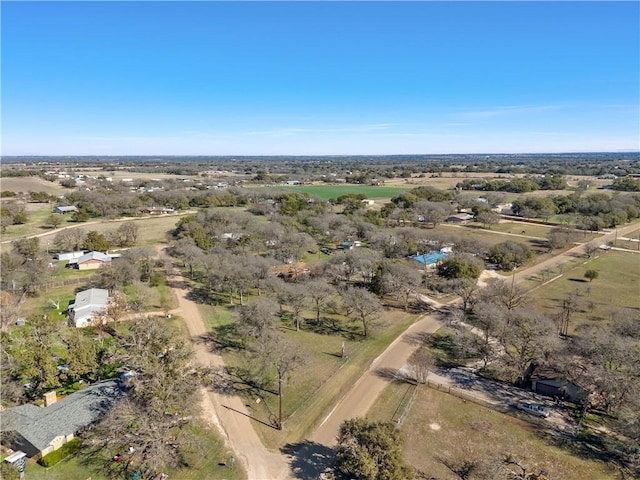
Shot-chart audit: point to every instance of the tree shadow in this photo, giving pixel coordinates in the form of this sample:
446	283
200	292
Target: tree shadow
331	326
393	375
222	337
417	338
309	460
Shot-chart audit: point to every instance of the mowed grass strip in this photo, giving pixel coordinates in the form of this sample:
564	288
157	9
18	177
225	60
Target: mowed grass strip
440	427
327	192
616	287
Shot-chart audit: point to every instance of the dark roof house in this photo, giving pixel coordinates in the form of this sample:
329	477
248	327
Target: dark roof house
38	431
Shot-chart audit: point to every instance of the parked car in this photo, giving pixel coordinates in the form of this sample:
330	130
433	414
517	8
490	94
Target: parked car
533	409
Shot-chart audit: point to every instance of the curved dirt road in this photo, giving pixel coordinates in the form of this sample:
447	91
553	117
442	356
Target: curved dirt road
228	413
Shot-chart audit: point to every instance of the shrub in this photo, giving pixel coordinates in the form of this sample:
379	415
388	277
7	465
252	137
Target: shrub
69	448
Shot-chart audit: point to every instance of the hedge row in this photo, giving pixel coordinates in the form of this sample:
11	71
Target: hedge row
50	459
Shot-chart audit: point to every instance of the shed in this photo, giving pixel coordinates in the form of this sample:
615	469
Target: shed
65	209
70	255
556	387
459	218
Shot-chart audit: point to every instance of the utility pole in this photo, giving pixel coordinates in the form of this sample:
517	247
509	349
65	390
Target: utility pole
279	402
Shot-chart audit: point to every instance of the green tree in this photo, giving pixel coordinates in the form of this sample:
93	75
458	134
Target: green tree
370	451
81	356
96	242
459	267
36	358
155	415
507	255
591	275
54	220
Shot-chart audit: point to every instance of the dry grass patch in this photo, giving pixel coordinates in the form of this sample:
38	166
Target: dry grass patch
440	428
616	287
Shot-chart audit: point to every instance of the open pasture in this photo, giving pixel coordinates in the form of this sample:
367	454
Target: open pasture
616	287
441	429
31	184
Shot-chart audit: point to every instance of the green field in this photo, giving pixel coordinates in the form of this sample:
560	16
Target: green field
440	428
327	192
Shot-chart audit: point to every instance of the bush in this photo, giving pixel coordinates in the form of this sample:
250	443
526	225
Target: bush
69	448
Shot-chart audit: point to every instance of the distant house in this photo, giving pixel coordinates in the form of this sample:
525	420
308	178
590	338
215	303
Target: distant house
38	431
430	259
87	305
459	218
90	261
68	209
556	387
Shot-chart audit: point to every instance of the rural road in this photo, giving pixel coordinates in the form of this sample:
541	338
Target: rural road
366	390
573	253
227	412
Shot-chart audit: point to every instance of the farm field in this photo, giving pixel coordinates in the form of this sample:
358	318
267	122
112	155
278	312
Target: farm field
153	229
616	287
327	192
440	428
31	184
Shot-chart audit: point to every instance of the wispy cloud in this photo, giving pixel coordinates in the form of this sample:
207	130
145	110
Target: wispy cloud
289	131
509	110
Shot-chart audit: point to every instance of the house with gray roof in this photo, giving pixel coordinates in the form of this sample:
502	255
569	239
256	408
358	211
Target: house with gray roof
41	430
90	260
65	209
87	305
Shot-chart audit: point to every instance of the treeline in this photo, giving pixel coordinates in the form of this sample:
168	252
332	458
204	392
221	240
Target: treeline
516	185
594	211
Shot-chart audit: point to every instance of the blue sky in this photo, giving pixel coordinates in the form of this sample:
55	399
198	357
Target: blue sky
307	78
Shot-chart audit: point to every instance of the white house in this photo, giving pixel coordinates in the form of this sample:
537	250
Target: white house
87	305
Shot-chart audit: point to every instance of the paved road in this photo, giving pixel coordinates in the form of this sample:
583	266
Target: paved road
228	413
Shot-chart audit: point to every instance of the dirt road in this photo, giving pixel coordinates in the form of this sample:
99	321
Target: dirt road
228	413
366	390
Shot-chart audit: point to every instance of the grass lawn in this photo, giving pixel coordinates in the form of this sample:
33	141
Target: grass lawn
441	428
212	461
617	286
327	192
313	389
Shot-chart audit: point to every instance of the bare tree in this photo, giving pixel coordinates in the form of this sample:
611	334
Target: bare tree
421	363
258	319
363	306
319	292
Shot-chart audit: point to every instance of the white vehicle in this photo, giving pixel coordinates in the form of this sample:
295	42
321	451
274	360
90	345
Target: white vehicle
533	409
